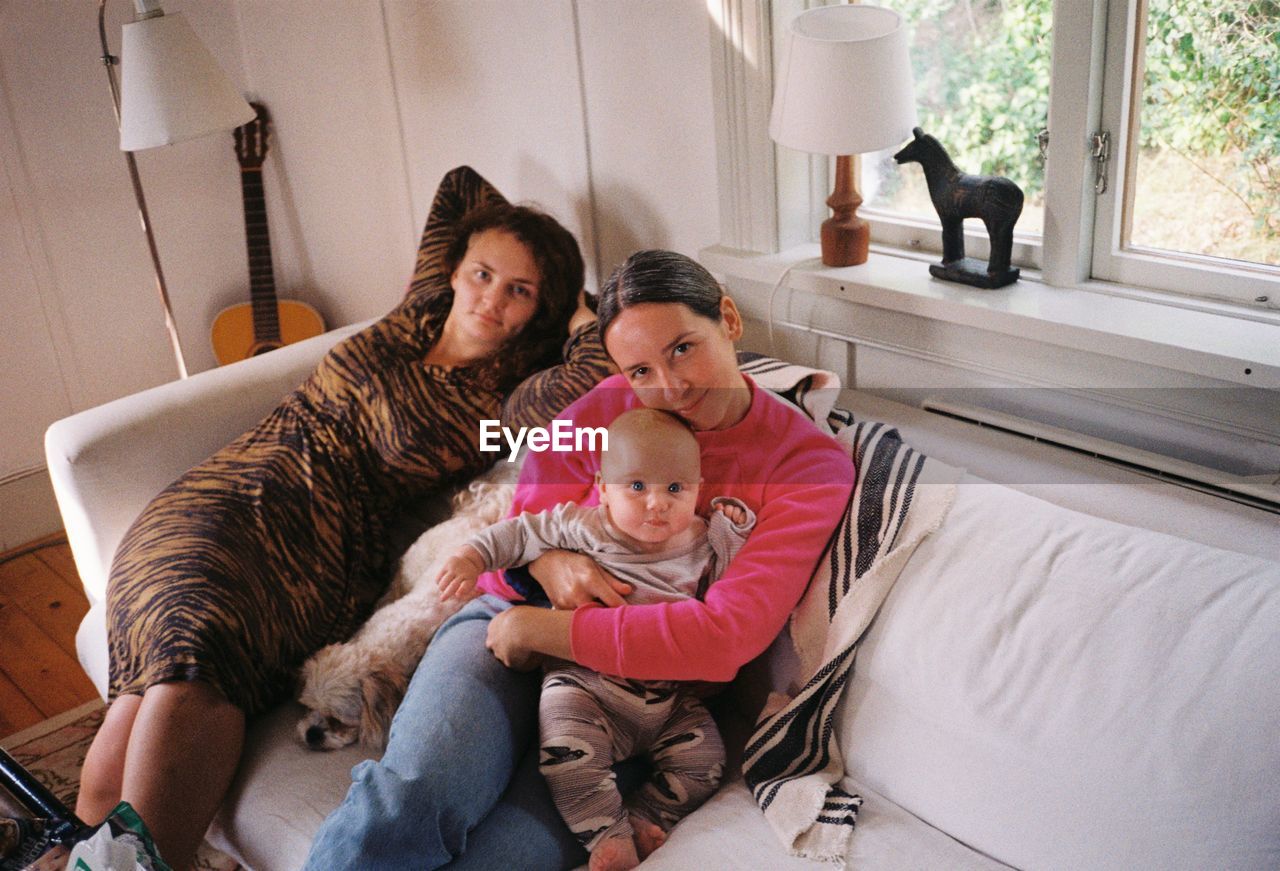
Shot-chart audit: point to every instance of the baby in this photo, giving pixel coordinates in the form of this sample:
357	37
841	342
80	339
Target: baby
645	532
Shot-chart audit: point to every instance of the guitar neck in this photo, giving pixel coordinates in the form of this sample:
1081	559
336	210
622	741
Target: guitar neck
262	282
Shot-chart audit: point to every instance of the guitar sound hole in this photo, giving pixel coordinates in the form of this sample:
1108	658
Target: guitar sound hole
262	349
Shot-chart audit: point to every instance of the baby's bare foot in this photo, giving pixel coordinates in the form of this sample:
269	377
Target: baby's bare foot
614	854
649	836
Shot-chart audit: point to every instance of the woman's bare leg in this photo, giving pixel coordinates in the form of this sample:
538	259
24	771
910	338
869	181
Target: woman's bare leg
102	777
183	751
170	753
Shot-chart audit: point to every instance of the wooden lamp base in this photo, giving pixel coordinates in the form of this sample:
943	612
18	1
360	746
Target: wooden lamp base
846	238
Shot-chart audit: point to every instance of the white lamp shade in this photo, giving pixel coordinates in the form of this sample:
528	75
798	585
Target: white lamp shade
845	83
172	88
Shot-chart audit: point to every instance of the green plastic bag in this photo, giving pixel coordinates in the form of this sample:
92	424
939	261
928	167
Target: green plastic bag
122	843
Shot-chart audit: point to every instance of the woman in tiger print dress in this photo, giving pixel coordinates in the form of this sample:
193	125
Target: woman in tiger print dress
277	545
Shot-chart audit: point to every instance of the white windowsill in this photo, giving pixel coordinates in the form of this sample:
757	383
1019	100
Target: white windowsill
1208	339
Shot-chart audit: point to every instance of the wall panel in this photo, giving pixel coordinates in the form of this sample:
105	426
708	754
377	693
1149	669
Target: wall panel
651	126
341	228
494	85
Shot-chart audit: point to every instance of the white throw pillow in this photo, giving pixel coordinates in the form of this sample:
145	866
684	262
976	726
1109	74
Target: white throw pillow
1060	691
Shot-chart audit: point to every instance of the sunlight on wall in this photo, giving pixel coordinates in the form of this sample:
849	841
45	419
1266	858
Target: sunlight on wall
721	14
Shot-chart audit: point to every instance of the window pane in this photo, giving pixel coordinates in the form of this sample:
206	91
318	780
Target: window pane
1206	169
982	89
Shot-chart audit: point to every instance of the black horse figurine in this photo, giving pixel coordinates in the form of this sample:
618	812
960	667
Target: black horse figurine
956	196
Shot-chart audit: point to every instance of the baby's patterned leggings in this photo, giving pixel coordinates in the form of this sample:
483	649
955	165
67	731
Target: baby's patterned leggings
589	721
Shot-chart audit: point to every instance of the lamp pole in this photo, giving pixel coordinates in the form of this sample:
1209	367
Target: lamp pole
109	61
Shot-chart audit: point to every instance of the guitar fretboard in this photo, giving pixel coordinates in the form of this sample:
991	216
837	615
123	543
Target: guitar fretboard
262	282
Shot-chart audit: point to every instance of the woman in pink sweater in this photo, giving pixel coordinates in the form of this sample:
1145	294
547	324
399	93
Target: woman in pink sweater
459	784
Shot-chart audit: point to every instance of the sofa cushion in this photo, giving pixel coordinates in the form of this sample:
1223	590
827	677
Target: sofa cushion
1056	690
281	794
728	833
283	791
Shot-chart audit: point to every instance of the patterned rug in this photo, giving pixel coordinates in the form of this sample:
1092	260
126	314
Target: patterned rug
54	752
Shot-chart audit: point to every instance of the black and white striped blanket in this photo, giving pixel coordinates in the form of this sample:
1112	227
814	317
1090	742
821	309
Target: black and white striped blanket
793	764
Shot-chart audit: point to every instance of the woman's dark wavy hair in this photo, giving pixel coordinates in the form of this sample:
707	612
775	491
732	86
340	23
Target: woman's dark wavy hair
560	277
659	276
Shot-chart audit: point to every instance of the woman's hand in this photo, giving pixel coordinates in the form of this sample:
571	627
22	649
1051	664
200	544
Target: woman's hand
521	636
571	579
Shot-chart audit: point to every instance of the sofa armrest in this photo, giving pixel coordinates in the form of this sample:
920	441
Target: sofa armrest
107	462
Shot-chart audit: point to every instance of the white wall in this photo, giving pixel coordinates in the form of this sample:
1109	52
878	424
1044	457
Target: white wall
651	125
598	110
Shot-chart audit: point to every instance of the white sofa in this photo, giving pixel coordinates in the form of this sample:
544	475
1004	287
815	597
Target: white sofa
1079	669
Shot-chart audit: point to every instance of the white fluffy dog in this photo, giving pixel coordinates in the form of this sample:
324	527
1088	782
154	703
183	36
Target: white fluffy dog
352	689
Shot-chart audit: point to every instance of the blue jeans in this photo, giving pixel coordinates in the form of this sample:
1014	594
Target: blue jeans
459	783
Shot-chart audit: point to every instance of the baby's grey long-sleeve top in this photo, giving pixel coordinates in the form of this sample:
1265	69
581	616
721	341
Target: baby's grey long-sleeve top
661	576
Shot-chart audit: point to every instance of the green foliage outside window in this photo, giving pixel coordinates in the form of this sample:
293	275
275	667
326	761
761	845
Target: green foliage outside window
1213	87
982	81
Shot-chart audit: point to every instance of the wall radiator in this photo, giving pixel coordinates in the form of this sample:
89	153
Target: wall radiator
1258	490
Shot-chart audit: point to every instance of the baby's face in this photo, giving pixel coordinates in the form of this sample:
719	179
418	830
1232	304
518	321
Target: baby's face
651	495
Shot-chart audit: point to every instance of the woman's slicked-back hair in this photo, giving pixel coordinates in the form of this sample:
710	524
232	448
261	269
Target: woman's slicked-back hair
561	276
659	276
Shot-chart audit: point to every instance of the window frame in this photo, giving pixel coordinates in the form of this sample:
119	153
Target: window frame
1081	229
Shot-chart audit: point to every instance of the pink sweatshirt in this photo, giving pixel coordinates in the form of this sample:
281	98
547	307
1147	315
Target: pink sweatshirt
793	477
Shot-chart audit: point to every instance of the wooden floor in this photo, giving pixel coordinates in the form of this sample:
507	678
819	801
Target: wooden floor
41	604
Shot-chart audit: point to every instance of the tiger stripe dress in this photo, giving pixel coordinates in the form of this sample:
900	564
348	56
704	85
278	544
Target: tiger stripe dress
278	543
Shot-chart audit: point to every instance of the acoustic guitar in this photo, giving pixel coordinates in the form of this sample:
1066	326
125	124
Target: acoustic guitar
264	323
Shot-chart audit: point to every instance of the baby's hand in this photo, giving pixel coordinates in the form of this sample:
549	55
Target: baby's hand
736	515
458	575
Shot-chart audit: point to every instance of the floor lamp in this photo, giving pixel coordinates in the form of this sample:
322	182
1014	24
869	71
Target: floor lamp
173	90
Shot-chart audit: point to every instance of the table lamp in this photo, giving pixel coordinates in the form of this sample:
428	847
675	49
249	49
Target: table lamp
173	90
844	88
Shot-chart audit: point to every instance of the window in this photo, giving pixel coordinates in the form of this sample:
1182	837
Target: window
1194	104
982	88
1183	195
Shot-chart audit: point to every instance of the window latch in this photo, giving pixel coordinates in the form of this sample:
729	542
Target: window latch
1042	142
1100	151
